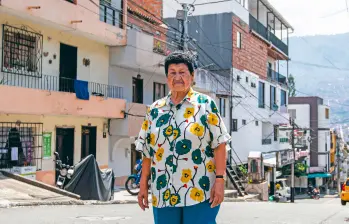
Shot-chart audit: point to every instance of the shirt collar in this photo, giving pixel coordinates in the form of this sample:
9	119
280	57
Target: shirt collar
190	97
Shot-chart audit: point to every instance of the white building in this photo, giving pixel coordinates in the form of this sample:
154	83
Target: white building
313	116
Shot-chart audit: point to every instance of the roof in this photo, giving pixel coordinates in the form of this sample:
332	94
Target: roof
143	12
277	14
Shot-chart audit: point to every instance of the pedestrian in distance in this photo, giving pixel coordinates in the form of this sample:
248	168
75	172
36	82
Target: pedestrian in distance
184	142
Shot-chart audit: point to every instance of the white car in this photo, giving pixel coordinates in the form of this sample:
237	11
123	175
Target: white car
283	190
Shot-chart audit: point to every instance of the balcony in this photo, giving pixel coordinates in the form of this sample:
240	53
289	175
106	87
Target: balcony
261	30
276	77
52	95
142	50
81	18
162	47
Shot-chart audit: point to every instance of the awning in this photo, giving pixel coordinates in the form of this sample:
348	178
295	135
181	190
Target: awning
319	175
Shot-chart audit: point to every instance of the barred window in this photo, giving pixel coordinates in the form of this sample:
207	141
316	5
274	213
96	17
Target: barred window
22	52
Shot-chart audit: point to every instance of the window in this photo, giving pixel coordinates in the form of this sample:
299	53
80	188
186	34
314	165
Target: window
246	78
159	91
272	97
293	113
222	106
238	40
110	12
276	132
261	96
243	122
327	113
256	122
235	125
283	98
22	52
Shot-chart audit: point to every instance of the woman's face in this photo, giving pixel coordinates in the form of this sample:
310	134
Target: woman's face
179	78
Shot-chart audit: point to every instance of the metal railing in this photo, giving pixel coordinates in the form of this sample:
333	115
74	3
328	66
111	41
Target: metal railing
163	47
266	141
266	34
277	77
110	15
59	84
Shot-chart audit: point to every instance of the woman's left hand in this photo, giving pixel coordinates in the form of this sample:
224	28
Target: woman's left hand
217	193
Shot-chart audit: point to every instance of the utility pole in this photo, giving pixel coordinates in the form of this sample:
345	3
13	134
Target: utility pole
231	81
182	16
294	160
338	165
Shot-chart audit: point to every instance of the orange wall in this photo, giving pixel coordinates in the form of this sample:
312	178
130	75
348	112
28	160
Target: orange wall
17	100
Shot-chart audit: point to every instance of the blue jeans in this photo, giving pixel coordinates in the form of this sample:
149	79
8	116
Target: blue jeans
196	214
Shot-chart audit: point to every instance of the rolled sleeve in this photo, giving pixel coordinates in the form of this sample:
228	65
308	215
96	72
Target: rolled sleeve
141	144
218	131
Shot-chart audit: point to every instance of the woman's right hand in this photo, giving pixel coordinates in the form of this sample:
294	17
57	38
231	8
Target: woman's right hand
143	196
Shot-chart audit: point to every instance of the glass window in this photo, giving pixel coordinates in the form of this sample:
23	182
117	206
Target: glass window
283	98
222	106
261	93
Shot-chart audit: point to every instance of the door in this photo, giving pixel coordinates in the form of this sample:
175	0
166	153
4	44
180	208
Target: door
137	88
65	145
88	141
135	155
67	67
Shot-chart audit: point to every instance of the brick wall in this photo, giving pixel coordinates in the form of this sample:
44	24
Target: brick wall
153	6
253	54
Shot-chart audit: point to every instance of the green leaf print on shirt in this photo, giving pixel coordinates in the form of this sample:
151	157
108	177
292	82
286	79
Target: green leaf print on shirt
209	151
162	120
202	99
214	107
154	113
204	183
183	147
153	174
161	182
196	156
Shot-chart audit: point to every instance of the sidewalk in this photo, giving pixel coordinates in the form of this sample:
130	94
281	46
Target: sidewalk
305	196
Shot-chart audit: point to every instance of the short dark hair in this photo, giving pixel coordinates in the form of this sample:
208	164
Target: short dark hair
179	57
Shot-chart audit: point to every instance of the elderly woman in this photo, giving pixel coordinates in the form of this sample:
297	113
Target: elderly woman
183	140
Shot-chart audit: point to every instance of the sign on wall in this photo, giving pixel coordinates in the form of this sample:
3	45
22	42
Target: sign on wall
46	145
284	158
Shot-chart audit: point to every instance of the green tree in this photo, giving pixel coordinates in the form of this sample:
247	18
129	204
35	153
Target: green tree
291	86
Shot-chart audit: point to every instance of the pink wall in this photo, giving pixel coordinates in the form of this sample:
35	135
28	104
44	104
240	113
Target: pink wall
19	100
62	12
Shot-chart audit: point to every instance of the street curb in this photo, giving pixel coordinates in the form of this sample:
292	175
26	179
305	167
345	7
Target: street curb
40	185
40	203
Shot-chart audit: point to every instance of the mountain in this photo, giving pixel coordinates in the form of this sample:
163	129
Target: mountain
320	65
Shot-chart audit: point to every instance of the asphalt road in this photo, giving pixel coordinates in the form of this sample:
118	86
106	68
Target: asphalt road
323	211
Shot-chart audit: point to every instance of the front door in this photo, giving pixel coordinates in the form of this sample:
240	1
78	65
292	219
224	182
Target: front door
88	141
65	145
67	67
137	89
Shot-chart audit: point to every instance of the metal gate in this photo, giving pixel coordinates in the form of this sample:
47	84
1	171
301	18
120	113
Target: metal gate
20	144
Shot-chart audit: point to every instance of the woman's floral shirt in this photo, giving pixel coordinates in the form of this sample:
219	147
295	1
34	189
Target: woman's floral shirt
180	141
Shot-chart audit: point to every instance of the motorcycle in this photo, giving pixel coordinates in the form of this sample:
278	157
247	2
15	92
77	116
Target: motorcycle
132	183
65	172
314	194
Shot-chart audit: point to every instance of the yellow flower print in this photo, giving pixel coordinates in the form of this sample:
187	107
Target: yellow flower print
175	133
174	199
196	194
148	110
159	154
190	93
186	175
212	119
189	112
210	166
154	201
145	125
152	139
197	129
161	103
168	131
166	195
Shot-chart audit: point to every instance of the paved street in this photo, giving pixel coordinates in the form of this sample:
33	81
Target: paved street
324	211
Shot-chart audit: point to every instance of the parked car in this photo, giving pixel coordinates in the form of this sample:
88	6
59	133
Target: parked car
345	193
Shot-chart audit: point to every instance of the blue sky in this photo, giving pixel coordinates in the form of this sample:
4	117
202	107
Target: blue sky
308	17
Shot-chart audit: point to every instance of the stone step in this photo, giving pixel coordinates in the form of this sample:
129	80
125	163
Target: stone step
231	193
